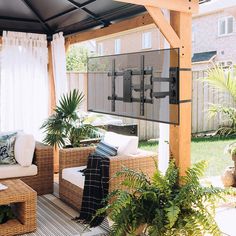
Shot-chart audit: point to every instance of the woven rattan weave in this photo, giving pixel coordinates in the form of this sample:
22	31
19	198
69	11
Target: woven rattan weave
75	157
24	200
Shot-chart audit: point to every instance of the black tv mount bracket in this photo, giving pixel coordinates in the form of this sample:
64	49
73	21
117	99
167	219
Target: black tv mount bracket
129	87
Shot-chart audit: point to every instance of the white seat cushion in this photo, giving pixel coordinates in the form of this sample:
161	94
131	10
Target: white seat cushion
16	171
74	176
126	144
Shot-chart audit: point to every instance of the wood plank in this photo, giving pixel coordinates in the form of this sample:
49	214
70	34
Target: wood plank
194	104
206	105
180	136
200	106
164	26
67	46
210	101
129	24
52	97
174	5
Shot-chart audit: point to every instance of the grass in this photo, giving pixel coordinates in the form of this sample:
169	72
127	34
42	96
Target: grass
209	149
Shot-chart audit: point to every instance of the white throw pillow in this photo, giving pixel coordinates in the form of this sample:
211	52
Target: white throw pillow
126	144
24	149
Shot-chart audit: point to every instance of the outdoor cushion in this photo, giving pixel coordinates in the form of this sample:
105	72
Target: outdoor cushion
24	149
126	144
7	143
74	176
16	171
106	149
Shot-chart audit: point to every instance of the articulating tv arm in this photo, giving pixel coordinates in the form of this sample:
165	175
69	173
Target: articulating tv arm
144	74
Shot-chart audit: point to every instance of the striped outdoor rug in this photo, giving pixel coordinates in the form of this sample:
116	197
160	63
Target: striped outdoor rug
54	219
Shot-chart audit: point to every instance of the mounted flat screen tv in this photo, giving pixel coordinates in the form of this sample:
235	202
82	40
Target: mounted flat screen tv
142	85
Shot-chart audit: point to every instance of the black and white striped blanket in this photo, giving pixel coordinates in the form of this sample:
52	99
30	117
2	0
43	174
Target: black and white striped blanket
95	188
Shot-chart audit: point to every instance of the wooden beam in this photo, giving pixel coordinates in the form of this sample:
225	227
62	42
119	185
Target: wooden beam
180	136
189	6
129	24
164	26
0	39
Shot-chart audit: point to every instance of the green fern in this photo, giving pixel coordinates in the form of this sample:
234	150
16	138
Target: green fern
165	206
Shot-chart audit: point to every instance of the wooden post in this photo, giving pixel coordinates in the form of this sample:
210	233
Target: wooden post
52	99
67	45
52	92
180	136
178	33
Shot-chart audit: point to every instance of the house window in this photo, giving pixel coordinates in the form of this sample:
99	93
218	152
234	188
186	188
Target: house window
146	40
225	26
100	49
117	46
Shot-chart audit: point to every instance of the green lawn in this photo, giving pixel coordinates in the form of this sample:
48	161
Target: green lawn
209	149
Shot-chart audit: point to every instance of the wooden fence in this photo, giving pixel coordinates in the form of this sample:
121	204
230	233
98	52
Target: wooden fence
203	96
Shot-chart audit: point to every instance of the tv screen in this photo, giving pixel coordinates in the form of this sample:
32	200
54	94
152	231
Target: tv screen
142	85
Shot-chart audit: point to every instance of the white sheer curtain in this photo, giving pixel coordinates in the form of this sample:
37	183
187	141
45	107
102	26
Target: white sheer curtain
24	82
59	64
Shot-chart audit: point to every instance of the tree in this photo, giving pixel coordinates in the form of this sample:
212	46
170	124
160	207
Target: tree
76	59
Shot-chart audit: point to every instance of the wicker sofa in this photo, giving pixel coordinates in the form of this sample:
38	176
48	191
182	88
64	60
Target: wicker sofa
42	183
75	157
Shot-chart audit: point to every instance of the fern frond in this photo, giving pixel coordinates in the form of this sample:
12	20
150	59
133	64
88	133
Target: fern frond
172	214
195	172
133	179
205	222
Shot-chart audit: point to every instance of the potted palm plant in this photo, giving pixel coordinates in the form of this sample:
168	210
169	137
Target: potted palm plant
165	205
66	128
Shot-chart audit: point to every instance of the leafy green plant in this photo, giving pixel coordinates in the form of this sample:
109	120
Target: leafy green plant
225	82
66	128
163	205
6	213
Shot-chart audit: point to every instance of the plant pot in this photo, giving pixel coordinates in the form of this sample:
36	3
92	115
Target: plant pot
228	177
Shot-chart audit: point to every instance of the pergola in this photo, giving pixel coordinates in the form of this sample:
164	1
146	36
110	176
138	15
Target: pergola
82	20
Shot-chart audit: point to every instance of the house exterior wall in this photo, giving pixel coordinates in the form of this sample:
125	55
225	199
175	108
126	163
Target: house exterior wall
205	30
131	41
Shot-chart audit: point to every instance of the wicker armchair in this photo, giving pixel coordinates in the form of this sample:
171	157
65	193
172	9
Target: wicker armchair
42	183
72	194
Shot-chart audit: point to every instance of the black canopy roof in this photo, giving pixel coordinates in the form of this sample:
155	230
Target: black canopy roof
69	16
